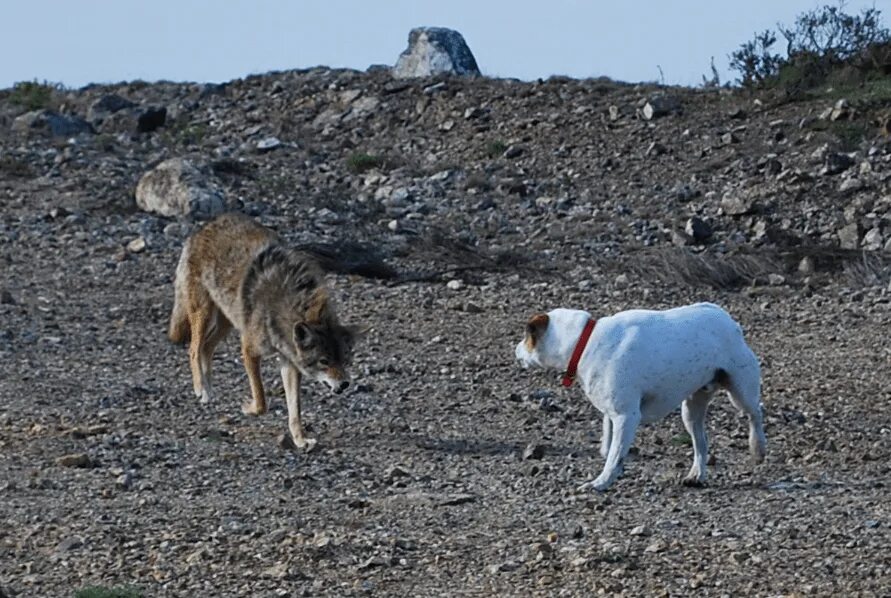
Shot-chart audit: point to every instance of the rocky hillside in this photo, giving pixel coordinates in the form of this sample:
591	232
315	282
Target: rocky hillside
543	170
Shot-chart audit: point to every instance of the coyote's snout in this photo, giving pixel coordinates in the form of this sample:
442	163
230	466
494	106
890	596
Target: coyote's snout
236	273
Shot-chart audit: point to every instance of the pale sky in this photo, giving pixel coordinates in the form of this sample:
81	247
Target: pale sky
76	42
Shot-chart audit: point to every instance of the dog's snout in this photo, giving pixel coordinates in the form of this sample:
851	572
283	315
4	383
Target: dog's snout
341	386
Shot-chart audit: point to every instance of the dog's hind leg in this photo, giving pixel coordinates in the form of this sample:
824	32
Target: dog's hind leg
693	413
606	436
624	427
744	386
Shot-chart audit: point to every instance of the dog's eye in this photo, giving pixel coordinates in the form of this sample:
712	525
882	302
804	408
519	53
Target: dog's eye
324	362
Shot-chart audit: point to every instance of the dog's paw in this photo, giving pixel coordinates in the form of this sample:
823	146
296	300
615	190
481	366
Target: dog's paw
204	397
693	481
593	486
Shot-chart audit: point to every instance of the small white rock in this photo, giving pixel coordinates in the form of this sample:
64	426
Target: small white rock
137	245
455	285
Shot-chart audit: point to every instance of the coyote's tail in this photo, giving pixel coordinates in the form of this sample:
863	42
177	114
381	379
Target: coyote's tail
179	317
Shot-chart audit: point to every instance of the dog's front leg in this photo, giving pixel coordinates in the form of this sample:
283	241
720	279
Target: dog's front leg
606	436
624	427
291	381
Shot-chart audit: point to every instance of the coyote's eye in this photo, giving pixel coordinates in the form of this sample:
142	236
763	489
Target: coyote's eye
324	362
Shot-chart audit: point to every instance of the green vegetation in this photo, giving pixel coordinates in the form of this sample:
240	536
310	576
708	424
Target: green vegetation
15	167
494	149
32	95
101	592
824	47
360	162
682	439
183	132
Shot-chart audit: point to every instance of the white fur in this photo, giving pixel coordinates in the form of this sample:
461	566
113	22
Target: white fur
640	365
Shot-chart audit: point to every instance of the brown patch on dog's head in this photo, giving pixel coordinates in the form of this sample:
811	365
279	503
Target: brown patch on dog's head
535	328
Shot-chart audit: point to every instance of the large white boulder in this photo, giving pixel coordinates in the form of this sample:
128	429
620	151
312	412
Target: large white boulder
435	51
177	188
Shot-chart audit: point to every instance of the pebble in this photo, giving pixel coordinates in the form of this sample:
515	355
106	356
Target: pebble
137	245
75	460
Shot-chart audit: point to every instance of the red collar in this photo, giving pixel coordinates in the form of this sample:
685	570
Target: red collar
573	366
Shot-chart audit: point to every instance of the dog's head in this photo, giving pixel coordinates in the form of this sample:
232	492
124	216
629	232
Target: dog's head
324	350
528	350
550	338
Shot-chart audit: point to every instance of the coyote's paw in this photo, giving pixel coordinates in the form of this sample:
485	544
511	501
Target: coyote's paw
250	408
204	396
307	444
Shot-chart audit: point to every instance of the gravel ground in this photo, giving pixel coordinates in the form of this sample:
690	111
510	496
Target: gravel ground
112	473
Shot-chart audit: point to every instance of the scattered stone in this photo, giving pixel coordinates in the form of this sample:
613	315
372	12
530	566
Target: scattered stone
6	297
124	481
435	51
268	144
106	105
53	123
81	460
151	119
776	280
806	266
177	188
849	236
729	138
137	245
737	203
513	151
533	451
680	238
640	530
841	110
394	472
455	285
656	546
873	240
698	229
70	543
660	105
655	149
836	163
851	185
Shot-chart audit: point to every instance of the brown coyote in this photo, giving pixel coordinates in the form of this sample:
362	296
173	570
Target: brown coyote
234	272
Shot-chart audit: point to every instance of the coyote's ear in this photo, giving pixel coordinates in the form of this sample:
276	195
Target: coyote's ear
357	332
535	329
302	334
317	308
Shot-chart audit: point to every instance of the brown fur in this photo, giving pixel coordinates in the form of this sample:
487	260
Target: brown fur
234	273
535	327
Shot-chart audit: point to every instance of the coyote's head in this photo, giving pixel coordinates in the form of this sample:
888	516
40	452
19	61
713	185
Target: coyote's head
324	350
324	346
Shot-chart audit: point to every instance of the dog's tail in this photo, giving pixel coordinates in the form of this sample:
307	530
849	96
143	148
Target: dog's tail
179	329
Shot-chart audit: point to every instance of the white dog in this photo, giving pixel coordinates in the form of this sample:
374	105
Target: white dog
637	366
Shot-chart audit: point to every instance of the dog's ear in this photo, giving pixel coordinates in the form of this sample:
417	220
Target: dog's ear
535	328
